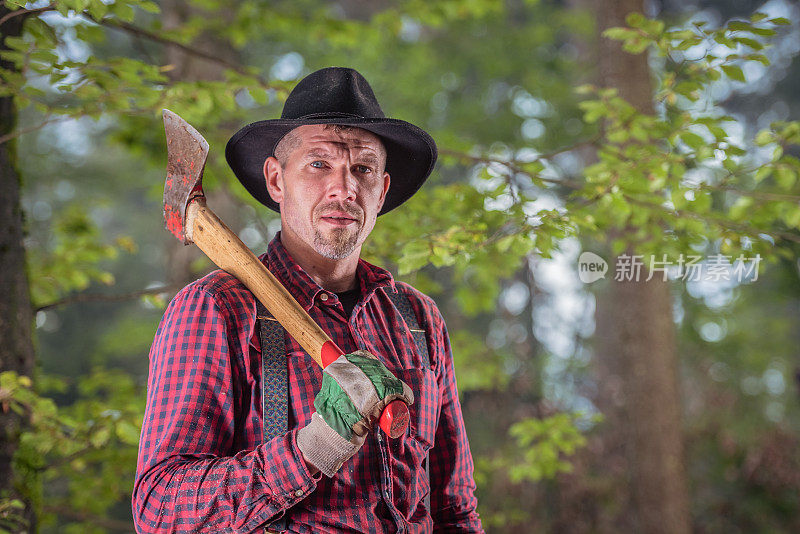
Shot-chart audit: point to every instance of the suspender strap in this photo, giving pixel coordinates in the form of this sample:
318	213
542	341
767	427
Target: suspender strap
403	305
274	379
274	385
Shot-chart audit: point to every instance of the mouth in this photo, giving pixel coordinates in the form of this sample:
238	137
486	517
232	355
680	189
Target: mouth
339	219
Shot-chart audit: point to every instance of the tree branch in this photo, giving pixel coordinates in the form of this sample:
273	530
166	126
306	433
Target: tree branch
152	36
764	195
25	12
141	32
96	297
16	133
514	166
744	228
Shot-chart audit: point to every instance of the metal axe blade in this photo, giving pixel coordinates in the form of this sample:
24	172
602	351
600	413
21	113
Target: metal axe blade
187	152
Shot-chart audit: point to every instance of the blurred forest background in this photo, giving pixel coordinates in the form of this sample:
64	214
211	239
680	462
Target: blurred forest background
611	406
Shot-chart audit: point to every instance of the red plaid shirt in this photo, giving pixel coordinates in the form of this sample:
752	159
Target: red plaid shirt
202	464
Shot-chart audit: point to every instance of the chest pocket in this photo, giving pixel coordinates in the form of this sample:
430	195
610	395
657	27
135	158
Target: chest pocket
403	305
424	411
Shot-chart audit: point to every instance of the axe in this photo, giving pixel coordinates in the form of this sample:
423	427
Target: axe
191	221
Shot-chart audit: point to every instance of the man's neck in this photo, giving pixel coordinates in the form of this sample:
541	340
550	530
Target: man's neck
333	275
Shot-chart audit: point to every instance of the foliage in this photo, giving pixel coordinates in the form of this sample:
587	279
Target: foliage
535	452
688	179
91	444
11	518
74	259
542	443
452	227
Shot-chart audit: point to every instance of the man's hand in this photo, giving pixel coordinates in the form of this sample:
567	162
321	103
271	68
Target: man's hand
355	389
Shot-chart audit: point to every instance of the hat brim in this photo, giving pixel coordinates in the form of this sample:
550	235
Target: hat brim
410	154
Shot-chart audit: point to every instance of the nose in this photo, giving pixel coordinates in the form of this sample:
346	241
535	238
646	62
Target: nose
342	185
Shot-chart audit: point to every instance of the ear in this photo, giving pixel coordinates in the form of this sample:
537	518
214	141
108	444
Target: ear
273	174
386	182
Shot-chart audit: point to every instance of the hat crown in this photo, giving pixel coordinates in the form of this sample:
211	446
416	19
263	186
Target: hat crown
332	92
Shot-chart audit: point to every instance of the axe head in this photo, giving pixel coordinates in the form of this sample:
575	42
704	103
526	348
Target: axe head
187	152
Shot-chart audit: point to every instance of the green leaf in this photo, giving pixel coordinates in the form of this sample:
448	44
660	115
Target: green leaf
781	21
97	9
740	208
752	43
148	6
692	139
124	11
763	31
127	433
785	178
761	58
762	173
733	72
636	45
415	255
100	437
723	40
620	34
635	20
739	26
764	137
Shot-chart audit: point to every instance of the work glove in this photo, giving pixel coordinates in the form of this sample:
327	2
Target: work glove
355	389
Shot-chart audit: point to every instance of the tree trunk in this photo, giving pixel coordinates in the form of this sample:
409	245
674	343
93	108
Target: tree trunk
16	345
636	345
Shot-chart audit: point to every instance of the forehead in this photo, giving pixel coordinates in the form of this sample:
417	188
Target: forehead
316	135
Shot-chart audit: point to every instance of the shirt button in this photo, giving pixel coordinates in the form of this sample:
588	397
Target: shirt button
298	493
323	297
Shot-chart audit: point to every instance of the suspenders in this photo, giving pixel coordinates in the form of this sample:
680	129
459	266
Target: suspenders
274	374
403	305
274	385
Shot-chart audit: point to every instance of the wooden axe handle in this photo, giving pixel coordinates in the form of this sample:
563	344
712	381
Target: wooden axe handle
228	252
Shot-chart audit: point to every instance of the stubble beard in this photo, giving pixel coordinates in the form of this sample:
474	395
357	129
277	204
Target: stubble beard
339	244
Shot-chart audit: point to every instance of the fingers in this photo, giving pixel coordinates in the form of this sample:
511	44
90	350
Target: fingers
355	383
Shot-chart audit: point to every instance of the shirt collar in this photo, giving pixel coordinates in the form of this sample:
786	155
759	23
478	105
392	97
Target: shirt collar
304	289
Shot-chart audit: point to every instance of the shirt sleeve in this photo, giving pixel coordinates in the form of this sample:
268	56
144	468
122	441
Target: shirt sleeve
188	478
453	501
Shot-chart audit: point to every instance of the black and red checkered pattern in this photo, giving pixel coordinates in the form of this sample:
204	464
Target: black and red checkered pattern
202	466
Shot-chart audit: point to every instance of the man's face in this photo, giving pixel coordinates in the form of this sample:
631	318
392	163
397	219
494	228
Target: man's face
330	189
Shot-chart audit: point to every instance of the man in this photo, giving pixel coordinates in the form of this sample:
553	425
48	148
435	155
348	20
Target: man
212	457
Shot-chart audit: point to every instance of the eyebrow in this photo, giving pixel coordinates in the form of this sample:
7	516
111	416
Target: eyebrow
317	153
366	155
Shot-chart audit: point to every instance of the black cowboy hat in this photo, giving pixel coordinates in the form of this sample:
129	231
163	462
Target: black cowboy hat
335	95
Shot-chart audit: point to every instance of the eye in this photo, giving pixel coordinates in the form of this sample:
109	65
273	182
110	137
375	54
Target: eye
363	169
317	164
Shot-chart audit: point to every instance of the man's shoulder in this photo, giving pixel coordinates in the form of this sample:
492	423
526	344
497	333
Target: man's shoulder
226	290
